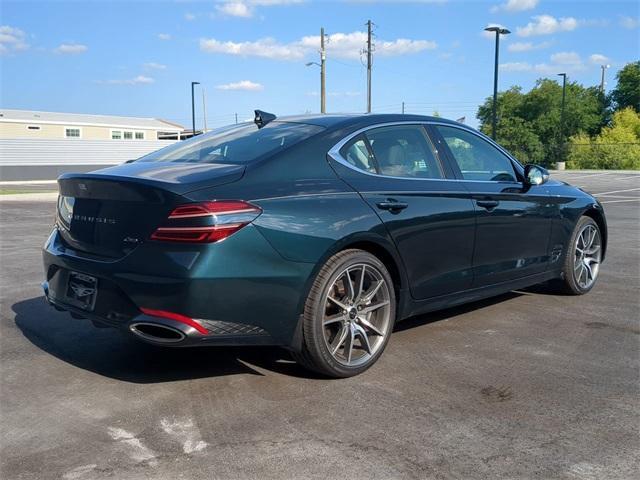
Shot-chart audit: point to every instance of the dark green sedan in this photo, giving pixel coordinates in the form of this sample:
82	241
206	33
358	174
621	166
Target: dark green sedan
315	233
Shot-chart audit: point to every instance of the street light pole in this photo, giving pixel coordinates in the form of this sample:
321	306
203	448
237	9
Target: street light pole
494	119
323	58
603	67
564	91
193	109
369	52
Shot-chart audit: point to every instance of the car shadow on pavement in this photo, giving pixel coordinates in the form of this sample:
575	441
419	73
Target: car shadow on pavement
445	314
114	354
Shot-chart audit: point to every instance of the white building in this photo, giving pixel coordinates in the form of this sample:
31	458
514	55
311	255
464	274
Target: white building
42	145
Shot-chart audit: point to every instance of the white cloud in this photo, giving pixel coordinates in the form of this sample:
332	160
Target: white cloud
266	48
12	40
154	66
338	45
527	46
547	25
566	58
139	80
515	6
164	36
516	67
235	9
599	59
629	22
70	49
246	8
189	16
561	62
246	85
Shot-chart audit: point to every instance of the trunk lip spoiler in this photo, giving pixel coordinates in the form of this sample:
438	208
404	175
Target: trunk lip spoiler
231	174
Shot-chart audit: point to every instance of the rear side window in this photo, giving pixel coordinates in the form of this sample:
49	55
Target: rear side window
238	144
404	151
477	158
357	154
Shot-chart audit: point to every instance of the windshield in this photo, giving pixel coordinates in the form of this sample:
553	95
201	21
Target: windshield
238	144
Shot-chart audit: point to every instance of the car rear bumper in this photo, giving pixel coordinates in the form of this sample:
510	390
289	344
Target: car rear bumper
238	292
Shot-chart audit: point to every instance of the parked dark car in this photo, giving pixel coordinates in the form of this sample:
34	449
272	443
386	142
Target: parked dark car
315	233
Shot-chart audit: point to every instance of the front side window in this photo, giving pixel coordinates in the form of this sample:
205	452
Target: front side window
116	135
404	151
238	144
139	135
128	135
72	132
477	158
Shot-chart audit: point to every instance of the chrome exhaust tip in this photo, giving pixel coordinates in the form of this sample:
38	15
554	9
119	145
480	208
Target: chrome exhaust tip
157	333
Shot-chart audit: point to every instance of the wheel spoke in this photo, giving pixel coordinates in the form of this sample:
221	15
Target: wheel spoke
341	337
589	272
361	284
370	326
352	293
593	250
373	308
364	339
348	344
333	319
372	292
337	302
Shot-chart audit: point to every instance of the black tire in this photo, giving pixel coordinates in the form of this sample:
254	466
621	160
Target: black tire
315	354
568	283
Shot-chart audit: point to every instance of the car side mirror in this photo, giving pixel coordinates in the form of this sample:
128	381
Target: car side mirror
535	175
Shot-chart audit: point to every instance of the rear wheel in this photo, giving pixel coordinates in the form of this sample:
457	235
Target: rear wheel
348	316
582	262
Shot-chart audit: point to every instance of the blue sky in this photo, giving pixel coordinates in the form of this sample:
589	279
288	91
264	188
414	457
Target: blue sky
138	57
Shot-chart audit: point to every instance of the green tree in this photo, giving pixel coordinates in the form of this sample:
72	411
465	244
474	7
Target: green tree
616	147
529	123
627	91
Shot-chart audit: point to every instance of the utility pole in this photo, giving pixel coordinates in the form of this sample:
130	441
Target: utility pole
236	118
564	90
403	108
604	68
494	120
193	110
204	111
323	59
369	54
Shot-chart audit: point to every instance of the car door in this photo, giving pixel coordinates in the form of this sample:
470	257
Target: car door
513	219
398	172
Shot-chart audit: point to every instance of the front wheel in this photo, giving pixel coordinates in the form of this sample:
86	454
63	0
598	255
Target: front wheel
348	316
582	261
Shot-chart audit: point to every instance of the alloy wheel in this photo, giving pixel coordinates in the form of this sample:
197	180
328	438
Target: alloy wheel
356	314
588	253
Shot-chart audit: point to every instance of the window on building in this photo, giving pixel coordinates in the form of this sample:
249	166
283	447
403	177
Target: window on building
33	127
72	132
139	135
116	135
128	135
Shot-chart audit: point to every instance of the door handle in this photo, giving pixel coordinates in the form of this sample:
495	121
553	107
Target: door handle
488	204
393	207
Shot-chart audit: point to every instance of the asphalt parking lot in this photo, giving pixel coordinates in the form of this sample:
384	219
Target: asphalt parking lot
526	385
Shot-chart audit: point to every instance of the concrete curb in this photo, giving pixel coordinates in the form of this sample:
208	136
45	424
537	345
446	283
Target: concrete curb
30	197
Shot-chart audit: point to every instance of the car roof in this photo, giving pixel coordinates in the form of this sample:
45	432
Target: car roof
341	120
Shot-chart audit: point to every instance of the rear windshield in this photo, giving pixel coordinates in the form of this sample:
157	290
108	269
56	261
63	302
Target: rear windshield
238	144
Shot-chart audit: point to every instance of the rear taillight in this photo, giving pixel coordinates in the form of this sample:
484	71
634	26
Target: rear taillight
206	222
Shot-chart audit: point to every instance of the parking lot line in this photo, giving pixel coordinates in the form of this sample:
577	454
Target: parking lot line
621	201
616	191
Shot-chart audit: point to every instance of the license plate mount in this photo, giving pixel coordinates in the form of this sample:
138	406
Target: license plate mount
82	291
